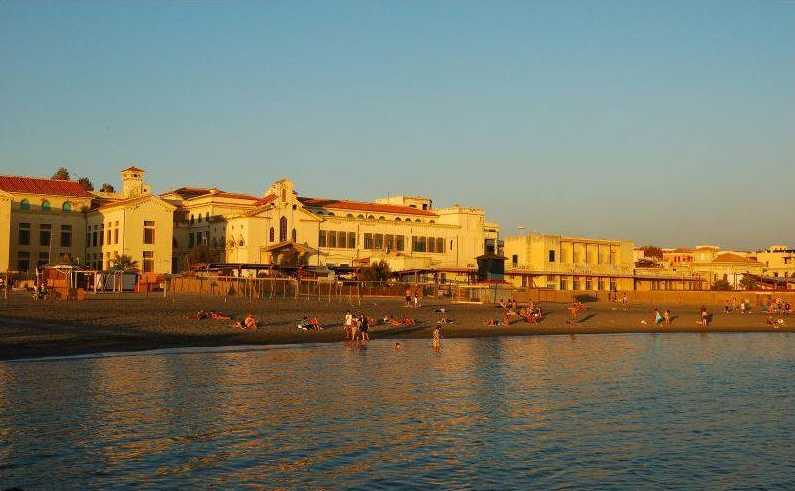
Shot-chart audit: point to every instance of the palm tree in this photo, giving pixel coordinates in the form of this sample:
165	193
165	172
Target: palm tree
123	263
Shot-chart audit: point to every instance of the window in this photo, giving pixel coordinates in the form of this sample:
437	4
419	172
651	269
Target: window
552	259
207	217
67	206
397	219
400	243
613	285
44	258
94	239
431	244
109	240
612	256
149	261
116	235
23	260
418	244
451	245
45	234
368	241
192	219
351	240
342	239
24	235
191	240
66	236
294	236
321	238
515	261
440	245
45	205
149	232
331	239
283	229
564	284
588	284
272	235
389	242
379	241
25	205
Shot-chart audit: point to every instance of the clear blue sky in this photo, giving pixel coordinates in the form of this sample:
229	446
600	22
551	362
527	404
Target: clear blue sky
662	122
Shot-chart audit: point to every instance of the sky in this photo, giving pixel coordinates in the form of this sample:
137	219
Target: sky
668	123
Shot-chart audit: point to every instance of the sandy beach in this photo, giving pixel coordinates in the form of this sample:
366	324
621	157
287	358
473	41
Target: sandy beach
107	323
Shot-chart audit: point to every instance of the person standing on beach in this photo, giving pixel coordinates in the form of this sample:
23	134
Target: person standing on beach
348	325
704	317
658	318
437	338
667	317
363	328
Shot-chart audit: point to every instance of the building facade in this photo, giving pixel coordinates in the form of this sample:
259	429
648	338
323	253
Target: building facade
569	263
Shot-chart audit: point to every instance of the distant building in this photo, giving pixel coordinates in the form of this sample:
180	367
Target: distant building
569	263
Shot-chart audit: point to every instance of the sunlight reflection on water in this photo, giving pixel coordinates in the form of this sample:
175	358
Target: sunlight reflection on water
551	411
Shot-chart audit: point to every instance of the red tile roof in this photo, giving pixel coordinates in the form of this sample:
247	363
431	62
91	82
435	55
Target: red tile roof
38	185
264	201
361	206
224	194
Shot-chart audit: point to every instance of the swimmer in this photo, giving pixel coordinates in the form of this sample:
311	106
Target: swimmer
397	346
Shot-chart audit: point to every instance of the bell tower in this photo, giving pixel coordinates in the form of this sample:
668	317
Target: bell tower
132	182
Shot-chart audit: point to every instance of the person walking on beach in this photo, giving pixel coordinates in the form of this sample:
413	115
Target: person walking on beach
667	318
658	318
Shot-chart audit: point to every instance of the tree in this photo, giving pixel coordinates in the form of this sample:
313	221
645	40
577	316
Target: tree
722	285
123	263
107	188
85	183
376	272
748	282
62	174
652	251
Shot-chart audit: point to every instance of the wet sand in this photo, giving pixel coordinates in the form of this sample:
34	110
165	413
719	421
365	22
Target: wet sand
106	323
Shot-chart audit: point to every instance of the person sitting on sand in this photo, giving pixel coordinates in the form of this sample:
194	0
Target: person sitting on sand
215	315
492	323
305	324
445	321
250	322
201	315
407	321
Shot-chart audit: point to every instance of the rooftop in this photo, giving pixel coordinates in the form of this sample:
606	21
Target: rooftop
39	185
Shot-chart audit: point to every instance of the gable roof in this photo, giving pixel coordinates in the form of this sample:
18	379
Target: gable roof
39	185
342	204
137	199
133	168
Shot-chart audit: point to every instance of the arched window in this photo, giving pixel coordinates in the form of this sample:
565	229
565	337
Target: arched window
381	218
284	195
360	217
200	218
397	219
282	229
24	204
67	206
192	219
331	213
207	217
272	236
349	215
45	205
370	217
295	236
418	220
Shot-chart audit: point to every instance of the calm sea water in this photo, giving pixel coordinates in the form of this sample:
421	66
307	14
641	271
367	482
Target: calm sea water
621	411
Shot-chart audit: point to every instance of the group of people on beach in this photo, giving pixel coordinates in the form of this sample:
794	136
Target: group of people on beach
513	311
413	298
357	326
248	323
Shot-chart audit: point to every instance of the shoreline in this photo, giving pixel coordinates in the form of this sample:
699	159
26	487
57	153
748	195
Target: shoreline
113	325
